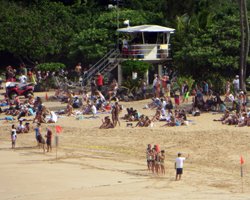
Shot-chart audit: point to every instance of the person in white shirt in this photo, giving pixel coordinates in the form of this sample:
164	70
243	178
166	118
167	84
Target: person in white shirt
20	127
236	84
13	136
53	117
93	110
23	79
179	166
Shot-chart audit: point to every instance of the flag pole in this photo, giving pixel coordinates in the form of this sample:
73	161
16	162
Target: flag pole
241	173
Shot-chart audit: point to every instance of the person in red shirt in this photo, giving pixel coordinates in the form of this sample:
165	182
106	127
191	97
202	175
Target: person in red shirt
99	81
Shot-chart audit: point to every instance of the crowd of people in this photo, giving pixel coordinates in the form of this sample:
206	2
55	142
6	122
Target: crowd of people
168	105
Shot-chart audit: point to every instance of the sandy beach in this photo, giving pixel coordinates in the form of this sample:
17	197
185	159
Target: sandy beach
110	164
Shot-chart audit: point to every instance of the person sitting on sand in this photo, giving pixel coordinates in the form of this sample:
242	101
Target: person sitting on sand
172	122
69	109
231	120
41	113
141	121
157	115
20	127
129	113
106	124
53	117
224	116
147	122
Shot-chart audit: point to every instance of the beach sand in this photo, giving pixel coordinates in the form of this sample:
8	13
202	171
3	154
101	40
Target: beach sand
110	164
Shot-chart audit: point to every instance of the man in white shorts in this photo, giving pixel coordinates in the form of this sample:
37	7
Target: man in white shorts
179	166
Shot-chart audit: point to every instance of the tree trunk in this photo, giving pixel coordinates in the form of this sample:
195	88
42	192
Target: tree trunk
242	43
246	23
244	48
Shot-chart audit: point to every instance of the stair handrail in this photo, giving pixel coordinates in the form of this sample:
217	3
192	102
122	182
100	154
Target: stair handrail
102	63
95	67
114	55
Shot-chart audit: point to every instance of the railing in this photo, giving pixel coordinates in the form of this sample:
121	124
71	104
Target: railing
144	51
102	64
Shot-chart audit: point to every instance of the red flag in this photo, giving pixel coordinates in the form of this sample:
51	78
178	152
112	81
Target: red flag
58	129
241	160
46	97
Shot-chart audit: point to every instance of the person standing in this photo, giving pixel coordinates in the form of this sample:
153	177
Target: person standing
78	69
37	132
149	156
205	88
154	84
23	69
236	84
115	114
162	160
13	136
179	166
185	92
99	81
143	88
228	88
49	140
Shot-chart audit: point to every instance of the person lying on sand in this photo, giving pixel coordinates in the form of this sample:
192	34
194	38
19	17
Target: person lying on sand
224	116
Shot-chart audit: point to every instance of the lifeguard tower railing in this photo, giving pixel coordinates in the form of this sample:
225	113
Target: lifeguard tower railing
147	51
154	42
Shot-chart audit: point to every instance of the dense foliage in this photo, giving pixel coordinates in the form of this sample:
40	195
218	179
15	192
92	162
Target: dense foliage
207	37
53	67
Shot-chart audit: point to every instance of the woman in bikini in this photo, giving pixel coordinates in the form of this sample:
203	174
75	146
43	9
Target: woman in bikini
162	159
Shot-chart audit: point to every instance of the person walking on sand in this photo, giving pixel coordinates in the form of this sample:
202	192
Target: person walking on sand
13	136
179	166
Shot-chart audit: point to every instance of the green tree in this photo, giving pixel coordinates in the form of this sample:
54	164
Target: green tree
207	42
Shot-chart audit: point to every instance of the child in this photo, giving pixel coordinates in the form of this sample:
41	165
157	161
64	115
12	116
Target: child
13	136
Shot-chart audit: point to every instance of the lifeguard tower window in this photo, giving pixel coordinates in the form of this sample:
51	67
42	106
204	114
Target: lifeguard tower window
150	38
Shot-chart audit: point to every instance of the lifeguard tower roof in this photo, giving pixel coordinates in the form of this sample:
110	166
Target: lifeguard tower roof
146	28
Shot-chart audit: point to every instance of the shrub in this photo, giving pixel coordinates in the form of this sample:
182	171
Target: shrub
52	67
182	79
217	82
130	66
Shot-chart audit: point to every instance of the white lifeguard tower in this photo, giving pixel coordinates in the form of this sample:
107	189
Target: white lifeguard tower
149	43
